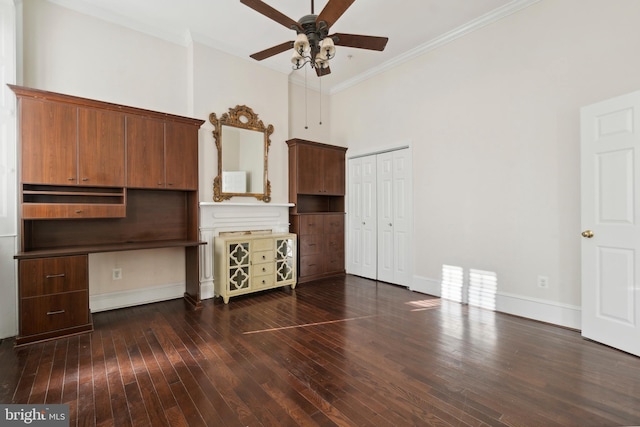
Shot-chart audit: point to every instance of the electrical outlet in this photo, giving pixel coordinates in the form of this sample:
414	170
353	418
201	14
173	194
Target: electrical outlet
543	282
116	274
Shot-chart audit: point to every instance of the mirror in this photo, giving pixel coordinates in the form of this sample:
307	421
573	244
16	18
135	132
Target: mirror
243	143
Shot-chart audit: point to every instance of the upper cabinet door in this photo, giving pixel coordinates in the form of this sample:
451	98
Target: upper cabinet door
100	148
181	156
320	170
48	138
333	166
310	169
145	152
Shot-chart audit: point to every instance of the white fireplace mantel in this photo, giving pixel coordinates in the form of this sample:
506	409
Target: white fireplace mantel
217	217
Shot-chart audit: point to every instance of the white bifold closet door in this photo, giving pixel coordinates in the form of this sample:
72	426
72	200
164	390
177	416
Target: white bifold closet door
380	217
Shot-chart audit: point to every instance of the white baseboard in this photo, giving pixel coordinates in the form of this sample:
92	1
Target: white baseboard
552	312
206	290
565	315
133	297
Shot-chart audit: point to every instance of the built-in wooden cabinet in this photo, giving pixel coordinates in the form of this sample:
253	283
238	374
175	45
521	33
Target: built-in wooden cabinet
63	144
160	154
97	177
317	188
54	297
247	263
320	170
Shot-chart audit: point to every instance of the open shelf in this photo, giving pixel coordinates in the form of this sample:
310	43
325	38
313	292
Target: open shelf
56	201
308	203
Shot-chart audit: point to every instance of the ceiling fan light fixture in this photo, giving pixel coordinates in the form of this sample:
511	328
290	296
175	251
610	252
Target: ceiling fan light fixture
301	44
328	47
297	60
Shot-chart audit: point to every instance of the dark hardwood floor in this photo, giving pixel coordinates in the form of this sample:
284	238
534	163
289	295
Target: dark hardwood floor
335	352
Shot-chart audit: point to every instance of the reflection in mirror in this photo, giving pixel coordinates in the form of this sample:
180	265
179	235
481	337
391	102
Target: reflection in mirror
242	160
243	147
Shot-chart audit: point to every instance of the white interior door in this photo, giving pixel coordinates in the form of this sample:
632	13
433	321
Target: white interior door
395	222
385	217
611	222
362	238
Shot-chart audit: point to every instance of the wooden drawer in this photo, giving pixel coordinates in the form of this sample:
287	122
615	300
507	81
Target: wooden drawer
311	244
334	243
311	224
53	210
53	312
262	244
311	264
262	269
334	224
262	256
334	262
266	281
45	276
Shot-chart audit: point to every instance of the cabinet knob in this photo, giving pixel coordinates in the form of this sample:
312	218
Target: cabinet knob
71	179
78	211
85	179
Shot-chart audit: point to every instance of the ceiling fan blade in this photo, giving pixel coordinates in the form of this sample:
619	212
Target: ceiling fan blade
269	12
333	10
360	42
264	54
323	71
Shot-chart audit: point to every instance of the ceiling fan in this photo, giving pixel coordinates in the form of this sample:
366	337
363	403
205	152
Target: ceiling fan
314	45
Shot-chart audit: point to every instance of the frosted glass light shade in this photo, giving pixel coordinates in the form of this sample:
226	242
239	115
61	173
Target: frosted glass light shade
321	60
328	47
301	44
297	59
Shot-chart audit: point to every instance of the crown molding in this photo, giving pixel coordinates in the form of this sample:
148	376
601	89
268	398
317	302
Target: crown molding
469	27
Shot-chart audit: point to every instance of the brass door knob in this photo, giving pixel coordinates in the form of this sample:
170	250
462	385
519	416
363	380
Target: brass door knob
587	233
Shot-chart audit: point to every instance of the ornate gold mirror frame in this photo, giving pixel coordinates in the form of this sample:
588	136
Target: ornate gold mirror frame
243	143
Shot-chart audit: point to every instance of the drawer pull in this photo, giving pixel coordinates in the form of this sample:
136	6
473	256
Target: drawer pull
263	282
53	276
51	313
264	257
312	244
263	270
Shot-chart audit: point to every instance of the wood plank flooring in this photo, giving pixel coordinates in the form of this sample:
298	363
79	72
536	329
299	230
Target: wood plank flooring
346	352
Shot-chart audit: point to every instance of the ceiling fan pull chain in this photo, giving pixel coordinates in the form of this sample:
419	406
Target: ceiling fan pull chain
320	100
306	125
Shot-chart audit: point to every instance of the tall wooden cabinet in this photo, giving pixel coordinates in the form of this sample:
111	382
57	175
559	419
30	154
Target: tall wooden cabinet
317	189
97	177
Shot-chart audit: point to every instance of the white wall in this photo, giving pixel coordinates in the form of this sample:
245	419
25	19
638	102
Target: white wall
8	174
493	121
68	52
307	109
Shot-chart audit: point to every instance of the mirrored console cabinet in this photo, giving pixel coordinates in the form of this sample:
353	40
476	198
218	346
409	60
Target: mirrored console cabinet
251	262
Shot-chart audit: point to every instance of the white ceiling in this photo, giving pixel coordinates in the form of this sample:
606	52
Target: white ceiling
413	26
